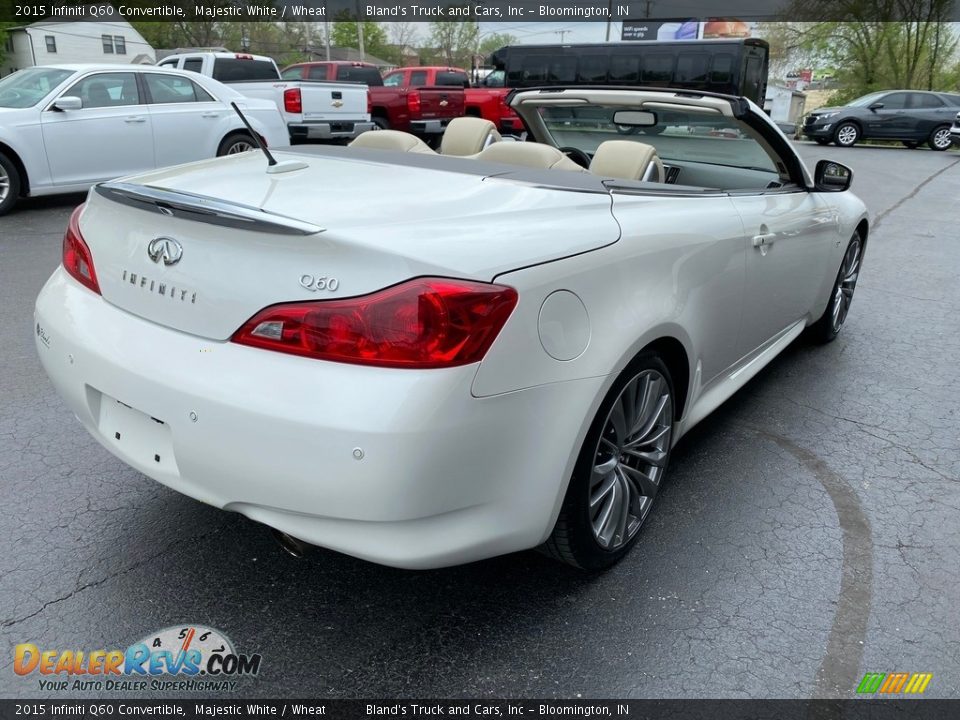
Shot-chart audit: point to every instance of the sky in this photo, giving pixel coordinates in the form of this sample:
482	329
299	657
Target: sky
548	33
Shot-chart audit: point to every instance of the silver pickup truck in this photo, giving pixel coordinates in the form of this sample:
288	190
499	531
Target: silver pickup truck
312	110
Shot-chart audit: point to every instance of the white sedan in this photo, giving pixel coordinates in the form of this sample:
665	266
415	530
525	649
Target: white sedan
65	127
425	359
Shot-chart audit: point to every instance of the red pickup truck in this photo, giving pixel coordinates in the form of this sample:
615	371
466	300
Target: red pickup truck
422	110
488	101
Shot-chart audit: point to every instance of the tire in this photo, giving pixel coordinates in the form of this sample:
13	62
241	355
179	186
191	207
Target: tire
236	143
846	135
653	129
940	138
381	122
822	141
828	326
595	536
912	144
10	184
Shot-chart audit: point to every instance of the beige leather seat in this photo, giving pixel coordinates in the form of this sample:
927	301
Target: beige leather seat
627	160
529	154
391	140
465	136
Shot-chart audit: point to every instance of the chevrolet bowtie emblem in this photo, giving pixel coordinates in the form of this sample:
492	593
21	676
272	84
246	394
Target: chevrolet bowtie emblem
337	103
443	103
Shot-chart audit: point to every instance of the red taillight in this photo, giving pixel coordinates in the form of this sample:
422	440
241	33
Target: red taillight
77	259
413	102
369	103
292	101
422	323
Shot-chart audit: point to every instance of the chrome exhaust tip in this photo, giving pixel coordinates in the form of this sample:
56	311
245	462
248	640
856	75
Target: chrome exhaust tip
290	545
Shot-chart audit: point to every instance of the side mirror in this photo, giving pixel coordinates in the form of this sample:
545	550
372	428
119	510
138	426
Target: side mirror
831	176
68	102
876	106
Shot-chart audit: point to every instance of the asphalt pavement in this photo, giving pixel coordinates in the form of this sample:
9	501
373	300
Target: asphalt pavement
808	531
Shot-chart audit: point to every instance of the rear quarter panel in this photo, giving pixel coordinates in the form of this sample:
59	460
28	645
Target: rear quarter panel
677	271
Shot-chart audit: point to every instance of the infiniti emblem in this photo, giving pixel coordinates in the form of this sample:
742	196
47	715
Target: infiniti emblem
166	249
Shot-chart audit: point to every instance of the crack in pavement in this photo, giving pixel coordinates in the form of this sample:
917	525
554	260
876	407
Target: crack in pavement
839	668
10	622
912	194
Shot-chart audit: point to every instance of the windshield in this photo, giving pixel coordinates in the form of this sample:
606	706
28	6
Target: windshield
865	100
678	134
26	88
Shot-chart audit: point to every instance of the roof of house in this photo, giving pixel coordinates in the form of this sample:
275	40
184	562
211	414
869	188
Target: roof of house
349	55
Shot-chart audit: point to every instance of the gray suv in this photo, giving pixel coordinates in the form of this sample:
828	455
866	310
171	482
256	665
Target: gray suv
911	116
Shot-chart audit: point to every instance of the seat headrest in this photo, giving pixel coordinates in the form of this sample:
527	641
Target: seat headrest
468	136
529	154
391	140
627	160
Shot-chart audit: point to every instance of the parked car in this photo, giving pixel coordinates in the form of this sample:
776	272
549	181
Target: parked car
911	116
955	131
66	127
311	110
498	353
486	101
425	111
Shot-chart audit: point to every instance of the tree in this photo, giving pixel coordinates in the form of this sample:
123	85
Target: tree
454	43
494	42
3	37
869	55
344	34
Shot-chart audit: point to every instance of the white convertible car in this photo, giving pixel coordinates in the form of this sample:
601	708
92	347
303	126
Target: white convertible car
65	127
426	359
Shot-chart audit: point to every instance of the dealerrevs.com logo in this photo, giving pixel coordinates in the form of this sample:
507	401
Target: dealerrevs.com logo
185	657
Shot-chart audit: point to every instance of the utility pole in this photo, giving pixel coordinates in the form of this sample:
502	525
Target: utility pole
562	34
609	14
326	29
363	55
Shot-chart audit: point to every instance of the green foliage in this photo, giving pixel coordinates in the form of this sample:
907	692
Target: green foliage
871	55
454	43
494	42
3	38
344	34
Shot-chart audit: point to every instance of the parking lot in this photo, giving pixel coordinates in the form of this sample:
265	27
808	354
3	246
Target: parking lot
808	531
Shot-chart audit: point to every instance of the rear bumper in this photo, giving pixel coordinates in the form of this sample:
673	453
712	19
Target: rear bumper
328	130
429	127
404	468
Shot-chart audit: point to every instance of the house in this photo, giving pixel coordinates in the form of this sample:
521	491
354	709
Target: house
347	54
49	42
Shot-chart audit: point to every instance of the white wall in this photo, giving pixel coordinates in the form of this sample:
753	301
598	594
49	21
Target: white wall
20	57
77	42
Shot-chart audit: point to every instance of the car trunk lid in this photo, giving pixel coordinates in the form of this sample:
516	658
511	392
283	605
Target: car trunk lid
168	252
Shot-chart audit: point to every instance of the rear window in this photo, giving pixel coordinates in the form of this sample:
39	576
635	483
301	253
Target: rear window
362	74
455	79
235	70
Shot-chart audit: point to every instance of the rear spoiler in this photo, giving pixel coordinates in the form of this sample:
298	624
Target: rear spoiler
201	208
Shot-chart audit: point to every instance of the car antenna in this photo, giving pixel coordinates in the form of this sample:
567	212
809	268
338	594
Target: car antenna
272	165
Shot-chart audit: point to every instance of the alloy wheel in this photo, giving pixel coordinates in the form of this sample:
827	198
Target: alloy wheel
846	284
941	138
4	184
847	135
239	146
630	459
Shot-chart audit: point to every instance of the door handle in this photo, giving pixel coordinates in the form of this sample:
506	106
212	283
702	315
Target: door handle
764	240
211	115
135	119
